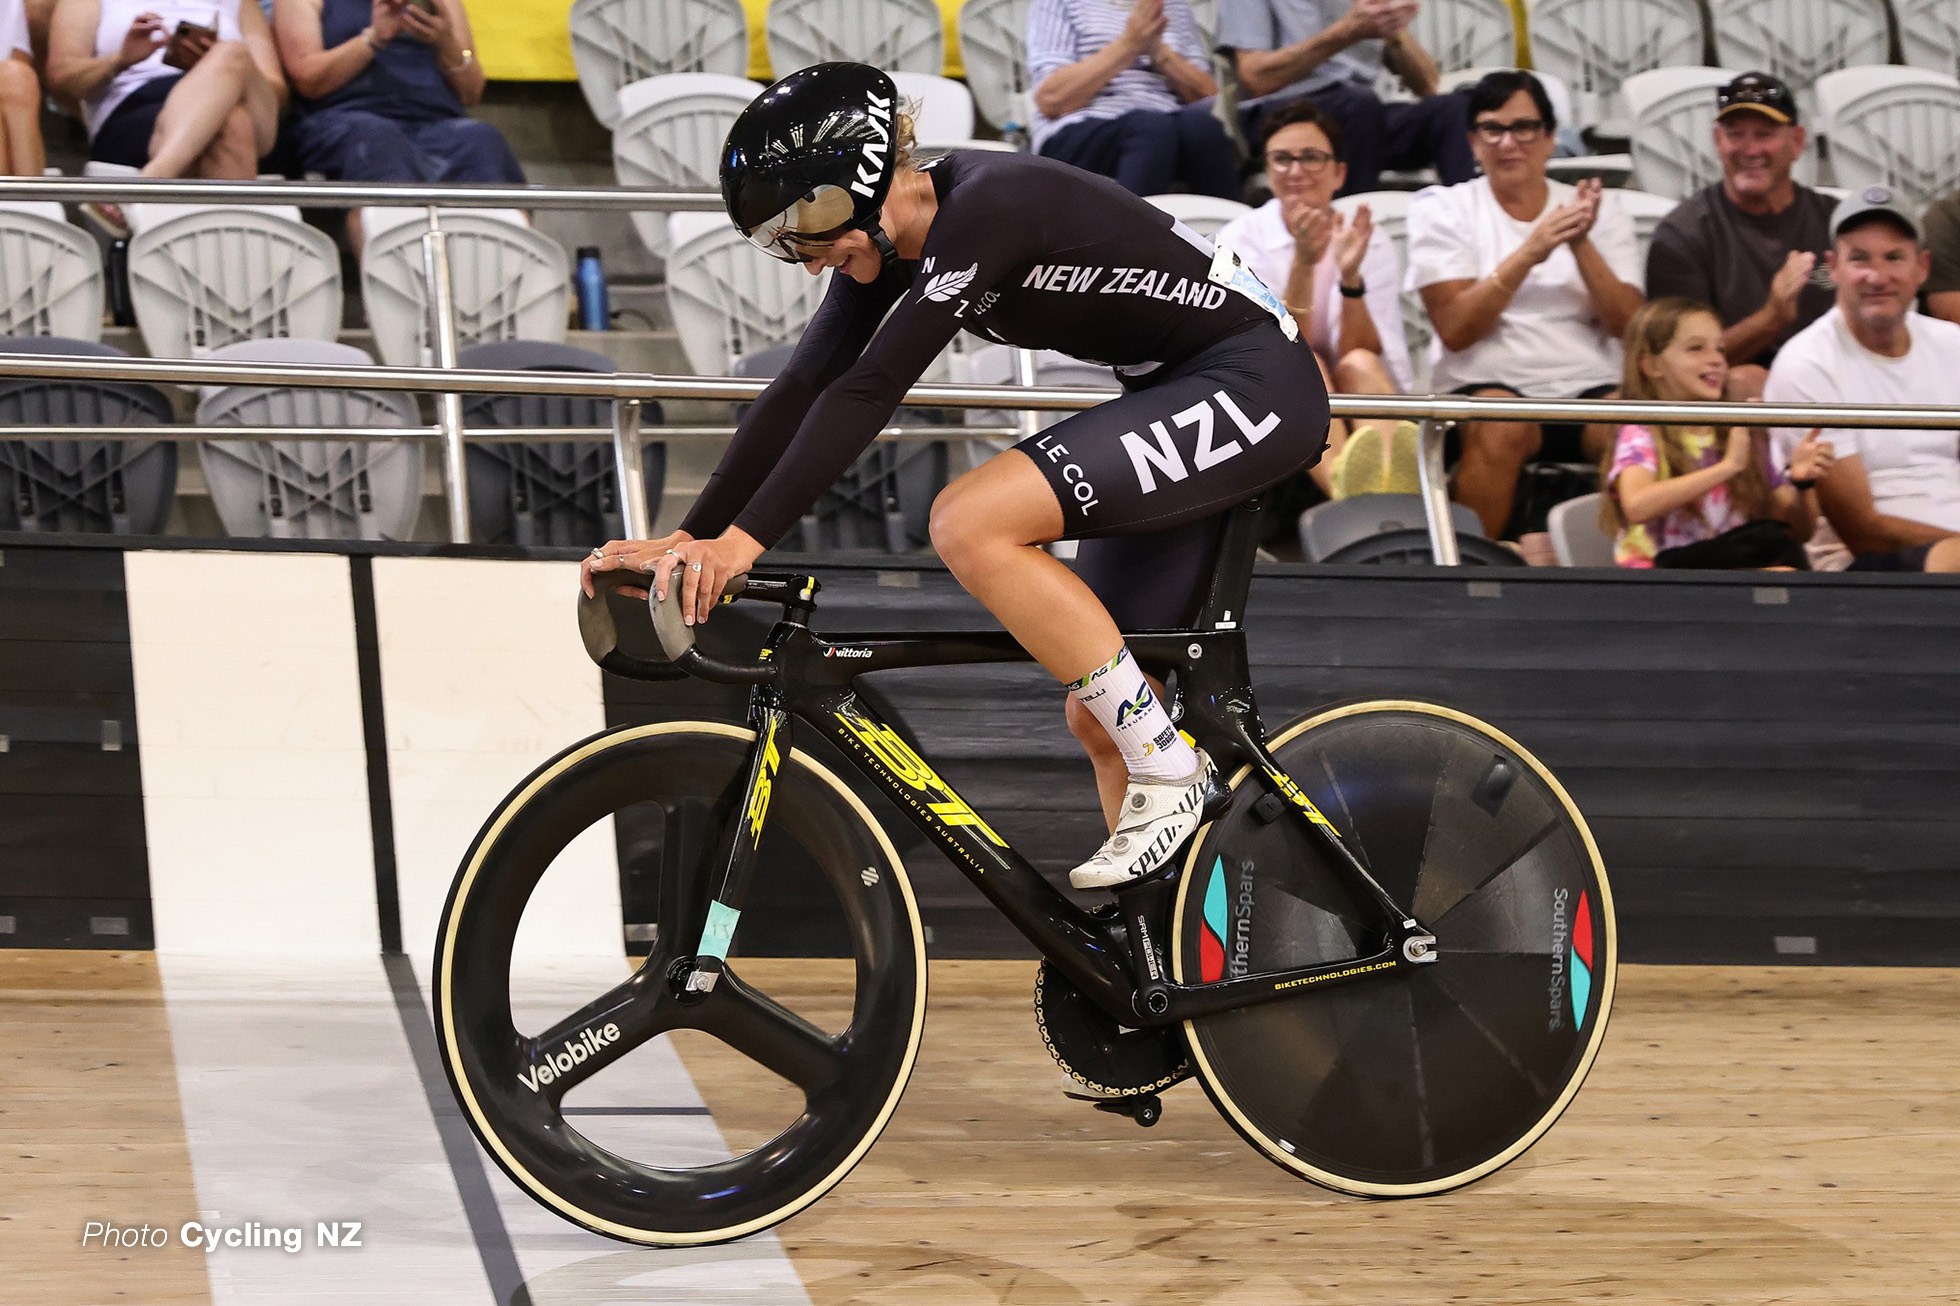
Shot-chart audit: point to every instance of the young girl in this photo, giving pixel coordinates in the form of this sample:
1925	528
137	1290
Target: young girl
1698	496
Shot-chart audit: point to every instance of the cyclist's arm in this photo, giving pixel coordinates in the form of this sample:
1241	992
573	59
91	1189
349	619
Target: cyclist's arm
833	341
972	247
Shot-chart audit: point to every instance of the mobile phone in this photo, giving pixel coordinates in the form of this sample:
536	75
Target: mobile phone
174	54
426	6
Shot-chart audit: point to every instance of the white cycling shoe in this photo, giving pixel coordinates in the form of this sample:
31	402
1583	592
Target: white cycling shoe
1157	816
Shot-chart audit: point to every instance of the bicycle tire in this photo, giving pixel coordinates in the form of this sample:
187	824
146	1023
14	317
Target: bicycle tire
1437	1075
694	772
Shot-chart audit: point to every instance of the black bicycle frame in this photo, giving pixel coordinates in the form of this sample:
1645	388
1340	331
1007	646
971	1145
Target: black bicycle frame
1113	959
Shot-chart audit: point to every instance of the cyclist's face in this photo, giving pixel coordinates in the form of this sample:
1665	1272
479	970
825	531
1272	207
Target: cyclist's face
852	253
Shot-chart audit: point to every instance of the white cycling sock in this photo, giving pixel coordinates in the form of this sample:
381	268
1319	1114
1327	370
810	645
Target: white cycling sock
1123	701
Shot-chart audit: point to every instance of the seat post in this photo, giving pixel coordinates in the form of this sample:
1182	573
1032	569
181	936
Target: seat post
1231	573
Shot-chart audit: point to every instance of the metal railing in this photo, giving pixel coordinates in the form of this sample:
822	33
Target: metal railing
629	390
435	255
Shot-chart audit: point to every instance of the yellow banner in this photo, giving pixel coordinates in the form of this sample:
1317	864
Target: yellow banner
523	40
530	41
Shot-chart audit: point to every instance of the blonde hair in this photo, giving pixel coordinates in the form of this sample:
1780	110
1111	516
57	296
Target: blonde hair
905	134
1648	335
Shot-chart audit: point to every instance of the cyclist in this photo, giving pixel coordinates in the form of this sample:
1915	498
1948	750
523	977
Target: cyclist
1222	400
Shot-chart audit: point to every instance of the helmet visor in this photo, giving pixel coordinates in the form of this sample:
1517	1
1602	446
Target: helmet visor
818	217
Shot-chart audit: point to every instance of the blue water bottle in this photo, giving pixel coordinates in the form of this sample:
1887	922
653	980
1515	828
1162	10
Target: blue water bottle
594	306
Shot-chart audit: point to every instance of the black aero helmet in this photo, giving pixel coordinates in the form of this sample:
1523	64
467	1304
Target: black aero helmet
811	158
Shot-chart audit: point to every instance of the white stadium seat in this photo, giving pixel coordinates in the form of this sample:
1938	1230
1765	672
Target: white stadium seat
670	134
506	281
1673	142
618	42
729	299
942	109
50	275
310	489
896	35
1595	45
993	50
1204	214
203	276
1801	40
1895	126
1467	33
1929	34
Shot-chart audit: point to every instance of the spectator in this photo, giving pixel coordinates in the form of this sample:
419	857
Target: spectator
1339	279
1750	244
1701	496
384	87
1529	282
1118	92
1892	502
21	153
1942	291
163	92
1285	49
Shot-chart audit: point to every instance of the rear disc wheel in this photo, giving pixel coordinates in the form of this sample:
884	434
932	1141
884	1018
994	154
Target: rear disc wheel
1432	1076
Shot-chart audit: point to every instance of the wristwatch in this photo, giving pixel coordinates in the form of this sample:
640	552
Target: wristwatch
1354	292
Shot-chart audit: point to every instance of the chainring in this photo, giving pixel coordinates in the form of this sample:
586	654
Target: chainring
1107	1058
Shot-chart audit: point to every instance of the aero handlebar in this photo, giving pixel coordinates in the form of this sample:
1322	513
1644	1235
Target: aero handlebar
601	636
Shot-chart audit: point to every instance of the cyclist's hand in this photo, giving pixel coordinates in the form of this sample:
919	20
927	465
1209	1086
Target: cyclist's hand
628	555
705	567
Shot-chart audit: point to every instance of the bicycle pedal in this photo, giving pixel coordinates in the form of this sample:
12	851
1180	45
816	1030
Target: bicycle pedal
1144	1108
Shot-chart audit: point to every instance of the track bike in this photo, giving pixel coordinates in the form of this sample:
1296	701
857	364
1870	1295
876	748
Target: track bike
1388	959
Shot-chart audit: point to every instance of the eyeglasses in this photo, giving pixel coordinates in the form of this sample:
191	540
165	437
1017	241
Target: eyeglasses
1305	160
1524	131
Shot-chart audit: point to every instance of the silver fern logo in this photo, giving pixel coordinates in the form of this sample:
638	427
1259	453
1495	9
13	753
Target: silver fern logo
948	284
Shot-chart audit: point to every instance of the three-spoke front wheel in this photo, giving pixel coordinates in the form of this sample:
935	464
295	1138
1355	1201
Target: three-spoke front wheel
585	1104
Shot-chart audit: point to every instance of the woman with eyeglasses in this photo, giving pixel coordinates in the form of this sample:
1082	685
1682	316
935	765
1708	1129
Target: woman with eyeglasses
1220	402
1530	283
1339	279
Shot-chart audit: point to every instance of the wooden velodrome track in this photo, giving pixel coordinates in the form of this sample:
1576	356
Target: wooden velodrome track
1748	1135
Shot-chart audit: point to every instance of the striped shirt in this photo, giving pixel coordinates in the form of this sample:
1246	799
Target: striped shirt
1063	32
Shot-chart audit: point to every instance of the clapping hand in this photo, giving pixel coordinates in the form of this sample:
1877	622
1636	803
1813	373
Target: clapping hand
1586	201
1812	458
1146	26
1312	228
1560	226
1376	20
1788	284
1350	240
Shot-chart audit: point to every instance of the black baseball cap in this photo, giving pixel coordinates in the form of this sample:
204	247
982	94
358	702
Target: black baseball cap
1757	93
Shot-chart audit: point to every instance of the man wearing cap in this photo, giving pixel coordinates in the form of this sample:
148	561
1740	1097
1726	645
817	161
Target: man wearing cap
1892	497
1749	245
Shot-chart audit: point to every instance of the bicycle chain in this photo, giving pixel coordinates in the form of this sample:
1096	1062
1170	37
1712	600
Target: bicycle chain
1182	1072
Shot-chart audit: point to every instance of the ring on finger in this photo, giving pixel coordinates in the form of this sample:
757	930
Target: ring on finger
598	551
694	566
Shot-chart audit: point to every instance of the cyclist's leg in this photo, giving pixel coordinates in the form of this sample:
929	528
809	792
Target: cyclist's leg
1215	431
1147	582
